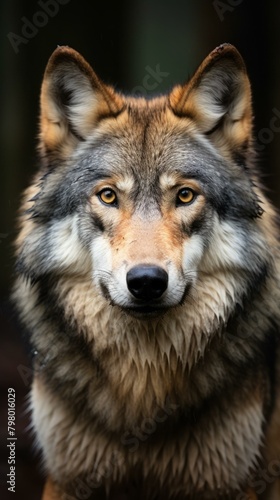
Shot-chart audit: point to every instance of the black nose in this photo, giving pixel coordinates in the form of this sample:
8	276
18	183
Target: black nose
147	282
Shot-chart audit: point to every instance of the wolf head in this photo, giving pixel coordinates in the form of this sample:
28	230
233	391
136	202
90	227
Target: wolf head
147	197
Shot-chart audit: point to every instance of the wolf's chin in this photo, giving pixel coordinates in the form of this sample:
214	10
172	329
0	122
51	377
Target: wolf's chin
145	312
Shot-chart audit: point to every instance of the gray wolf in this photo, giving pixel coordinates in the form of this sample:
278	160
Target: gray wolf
148	278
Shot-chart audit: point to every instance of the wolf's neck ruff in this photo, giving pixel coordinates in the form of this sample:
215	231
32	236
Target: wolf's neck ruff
148	276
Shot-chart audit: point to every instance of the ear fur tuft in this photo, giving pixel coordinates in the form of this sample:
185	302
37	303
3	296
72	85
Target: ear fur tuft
218	99
73	99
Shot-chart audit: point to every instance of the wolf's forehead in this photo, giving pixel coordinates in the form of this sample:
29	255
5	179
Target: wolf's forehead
161	158
146	151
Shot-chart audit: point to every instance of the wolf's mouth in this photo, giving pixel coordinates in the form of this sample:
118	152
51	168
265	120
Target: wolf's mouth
145	311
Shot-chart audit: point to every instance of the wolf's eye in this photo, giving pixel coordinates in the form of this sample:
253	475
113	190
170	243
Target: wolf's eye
185	196
108	196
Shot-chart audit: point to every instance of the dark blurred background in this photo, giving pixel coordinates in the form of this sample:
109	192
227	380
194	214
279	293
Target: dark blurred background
124	41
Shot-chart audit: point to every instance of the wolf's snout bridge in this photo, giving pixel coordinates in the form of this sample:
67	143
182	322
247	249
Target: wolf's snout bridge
147	282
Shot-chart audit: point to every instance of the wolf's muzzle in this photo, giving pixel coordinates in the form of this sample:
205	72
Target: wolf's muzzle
147	283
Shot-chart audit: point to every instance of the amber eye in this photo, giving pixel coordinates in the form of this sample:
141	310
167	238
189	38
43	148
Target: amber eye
185	196
108	196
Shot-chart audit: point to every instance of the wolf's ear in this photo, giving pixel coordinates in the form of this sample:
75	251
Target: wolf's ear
218	99
73	100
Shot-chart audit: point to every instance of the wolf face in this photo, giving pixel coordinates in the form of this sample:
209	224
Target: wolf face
148	261
138	193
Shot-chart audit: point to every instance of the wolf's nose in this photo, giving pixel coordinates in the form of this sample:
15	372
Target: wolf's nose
147	282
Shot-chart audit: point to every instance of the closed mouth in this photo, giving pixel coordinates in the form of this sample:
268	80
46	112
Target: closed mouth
145	311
